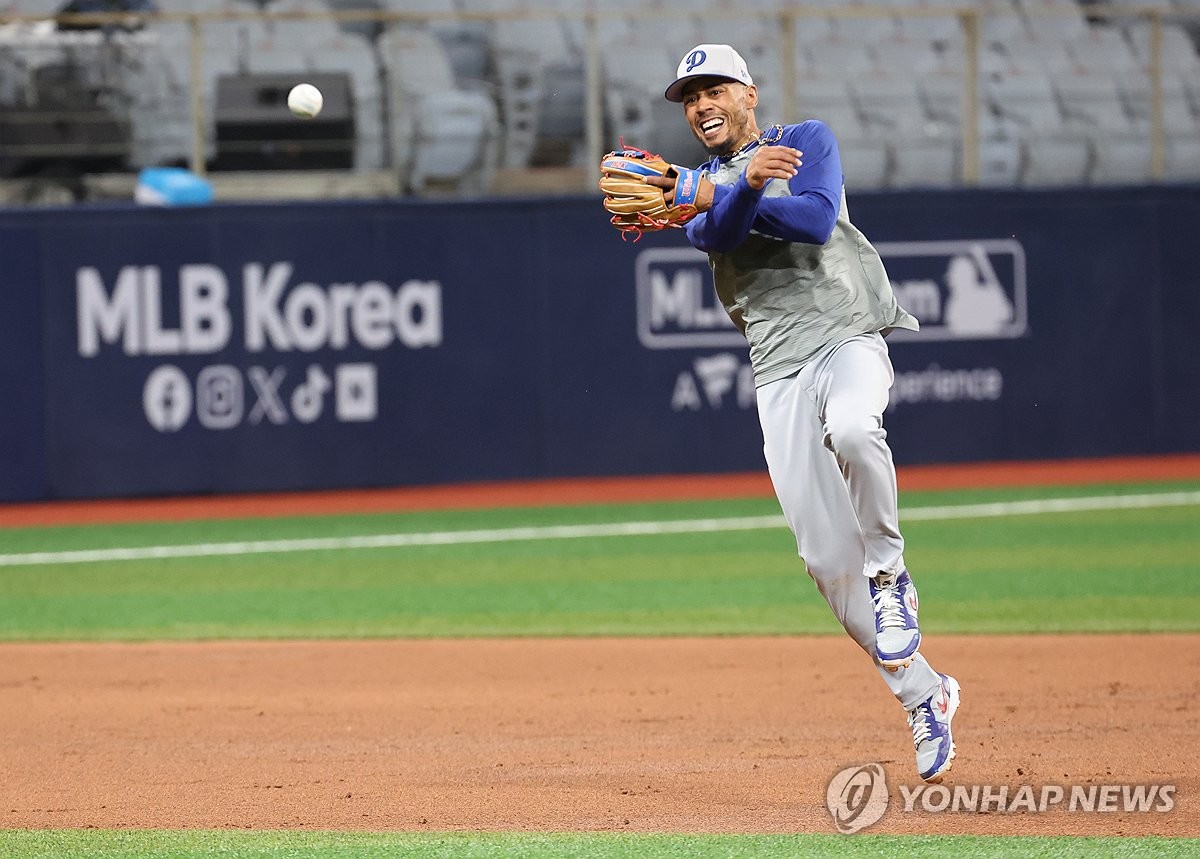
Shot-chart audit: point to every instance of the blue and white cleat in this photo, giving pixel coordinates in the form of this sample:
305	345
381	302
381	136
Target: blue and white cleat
897	635
930	723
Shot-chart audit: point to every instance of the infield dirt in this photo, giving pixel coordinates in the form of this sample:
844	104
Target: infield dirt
657	735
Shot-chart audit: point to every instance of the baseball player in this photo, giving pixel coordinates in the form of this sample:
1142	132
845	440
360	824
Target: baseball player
811	296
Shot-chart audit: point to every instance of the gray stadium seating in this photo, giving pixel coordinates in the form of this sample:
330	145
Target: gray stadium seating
922	147
926	24
1061	20
864	149
907	57
541	90
1182	161
440	134
1055	161
34	7
1066	93
1000	161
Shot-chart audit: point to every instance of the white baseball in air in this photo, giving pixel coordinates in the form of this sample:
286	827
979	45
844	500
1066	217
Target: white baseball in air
305	101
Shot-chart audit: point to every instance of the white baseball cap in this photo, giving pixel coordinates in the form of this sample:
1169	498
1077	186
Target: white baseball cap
718	61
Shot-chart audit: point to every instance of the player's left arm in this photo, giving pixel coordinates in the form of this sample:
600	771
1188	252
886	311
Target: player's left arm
810	212
807	158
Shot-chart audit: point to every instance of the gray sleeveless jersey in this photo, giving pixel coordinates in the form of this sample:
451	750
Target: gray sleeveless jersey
792	299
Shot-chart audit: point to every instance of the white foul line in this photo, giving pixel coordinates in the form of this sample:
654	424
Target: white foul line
566	532
1053	505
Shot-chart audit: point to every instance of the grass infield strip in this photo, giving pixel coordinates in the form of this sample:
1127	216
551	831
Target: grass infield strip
140	844
565	532
1041	560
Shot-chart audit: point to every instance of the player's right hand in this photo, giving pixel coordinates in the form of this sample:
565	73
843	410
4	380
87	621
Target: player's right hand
704	194
772	162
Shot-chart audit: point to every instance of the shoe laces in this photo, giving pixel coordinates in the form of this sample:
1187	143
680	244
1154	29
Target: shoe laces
918	720
888	607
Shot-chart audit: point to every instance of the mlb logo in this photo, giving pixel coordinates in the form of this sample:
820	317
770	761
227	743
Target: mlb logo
677	306
971	289
959	290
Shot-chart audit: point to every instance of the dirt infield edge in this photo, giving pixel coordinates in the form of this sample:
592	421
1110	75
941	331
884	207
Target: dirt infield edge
566	491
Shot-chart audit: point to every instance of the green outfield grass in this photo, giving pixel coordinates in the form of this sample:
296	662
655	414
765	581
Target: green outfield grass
329	845
1083	571
200	844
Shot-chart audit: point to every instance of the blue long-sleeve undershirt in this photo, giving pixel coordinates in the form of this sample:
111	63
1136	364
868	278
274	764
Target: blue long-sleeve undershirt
807	215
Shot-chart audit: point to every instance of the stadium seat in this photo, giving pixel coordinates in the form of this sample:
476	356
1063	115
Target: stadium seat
542	38
352	54
750	35
441	134
1103	50
172	129
891	103
925	24
838	56
1055	161
1024	134
203	7
1026	97
924	163
49	8
562	120
528	54
811	28
823	97
993	60
1178	51
864	152
1178	114
467	43
1120	142
1045	52
907	57
415	60
1093	101
1130	12
942	96
864	163
1000	162
1121	160
159	106
1056	88
454	144
1191	85
1182	159
635	78
922	148
1060	20
1001	22
859	23
310	32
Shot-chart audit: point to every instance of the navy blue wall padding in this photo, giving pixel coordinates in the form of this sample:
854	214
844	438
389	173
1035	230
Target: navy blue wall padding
239	348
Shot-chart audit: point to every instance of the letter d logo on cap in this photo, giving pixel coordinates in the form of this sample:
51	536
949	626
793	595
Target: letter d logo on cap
696	58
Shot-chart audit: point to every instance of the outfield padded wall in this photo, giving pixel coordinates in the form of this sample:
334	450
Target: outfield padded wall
253	347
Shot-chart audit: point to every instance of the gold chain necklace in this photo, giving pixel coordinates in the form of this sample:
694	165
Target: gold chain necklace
770	136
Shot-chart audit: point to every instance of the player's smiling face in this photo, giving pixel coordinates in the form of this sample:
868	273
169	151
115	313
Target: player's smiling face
721	113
